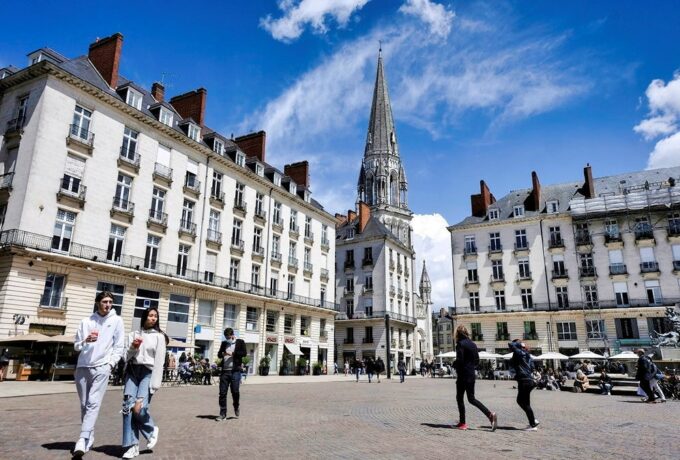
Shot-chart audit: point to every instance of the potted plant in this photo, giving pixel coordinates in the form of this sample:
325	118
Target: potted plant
316	369
245	361
264	365
301	365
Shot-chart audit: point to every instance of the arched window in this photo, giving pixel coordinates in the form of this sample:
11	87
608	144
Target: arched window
394	189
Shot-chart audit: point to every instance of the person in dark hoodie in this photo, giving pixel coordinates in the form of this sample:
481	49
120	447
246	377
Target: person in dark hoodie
523	364
467	359
232	351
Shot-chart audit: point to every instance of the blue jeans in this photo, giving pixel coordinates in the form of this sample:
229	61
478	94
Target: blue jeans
137	381
229	379
358	371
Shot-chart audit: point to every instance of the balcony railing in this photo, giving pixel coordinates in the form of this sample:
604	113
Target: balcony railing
66	189
309	237
617	269
6	181
612	237
237	244
556	242
20	238
15	125
495	248
81	135
217	196
522	246
524	276
308	267
276	257
587	272
498	278
214	236
123	206
470	250
129	156
502	337
56	302
673	229
477	337
162	171
571	305
348	341
676	265
258	251
292	262
348	290
158	217
393	290
366	262
277	222
367	340
260	213
349	264
325	243
646	233
583	239
649	267
186	226
558	274
240	205
530	336
192	184
324	273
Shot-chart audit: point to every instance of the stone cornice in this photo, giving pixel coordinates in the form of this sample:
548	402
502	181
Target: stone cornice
498	223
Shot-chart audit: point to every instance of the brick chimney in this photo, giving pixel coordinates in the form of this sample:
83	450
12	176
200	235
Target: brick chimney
104	54
480	203
588	189
253	144
299	172
191	105
158	91
535	191
351	215
340	219
364	215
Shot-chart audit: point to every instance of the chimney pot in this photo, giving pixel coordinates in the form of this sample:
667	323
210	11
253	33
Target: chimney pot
191	105
104	54
299	172
253	144
158	91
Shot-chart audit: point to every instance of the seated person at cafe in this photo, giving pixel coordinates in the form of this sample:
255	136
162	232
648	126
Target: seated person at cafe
581	383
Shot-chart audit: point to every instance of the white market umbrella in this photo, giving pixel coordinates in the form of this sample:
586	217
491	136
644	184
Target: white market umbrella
509	355
179	344
625	355
552	355
33	337
58	339
448	354
587	355
487	355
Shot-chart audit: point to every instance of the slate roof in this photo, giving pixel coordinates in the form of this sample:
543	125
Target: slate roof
374	228
381	123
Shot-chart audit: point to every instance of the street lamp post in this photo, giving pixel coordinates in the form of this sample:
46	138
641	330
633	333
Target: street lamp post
389	346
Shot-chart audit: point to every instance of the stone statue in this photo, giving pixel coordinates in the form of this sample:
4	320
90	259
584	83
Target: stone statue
671	338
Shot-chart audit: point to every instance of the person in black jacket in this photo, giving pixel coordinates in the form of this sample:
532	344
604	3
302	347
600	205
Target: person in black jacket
523	364
232	351
467	359
645	373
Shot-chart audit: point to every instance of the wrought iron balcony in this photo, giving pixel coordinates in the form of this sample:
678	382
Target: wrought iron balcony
495	248
276	257
470	250
503	336
524	276
618	269
292	262
644	233
348	291
294	230
649	267
277	222
6	181
129	157
69	190
15	125
324	273
498	278
612	237
240	206
521	246
188	227
325	244
213	236
258	251
556	242
158	218
349	264
260	213
81	135
122	206
471	281
309	237
192	185
162	172
560	274
583	238
237	245
51	301
308	267
530	336
587	272
348	341
477	337
673	229
366	262
368	340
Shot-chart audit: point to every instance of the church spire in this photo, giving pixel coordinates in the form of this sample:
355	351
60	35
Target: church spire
425	286
381	138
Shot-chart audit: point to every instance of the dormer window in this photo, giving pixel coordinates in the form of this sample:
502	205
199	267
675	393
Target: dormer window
350	233
218	147
493	214
518	211
552	207
240	159
307	196
259	169
166	116
193	131
292	187
134	99
277	179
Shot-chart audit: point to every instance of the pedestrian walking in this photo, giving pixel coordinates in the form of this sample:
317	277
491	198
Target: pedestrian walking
346	368
467	360
4	362
646	373
370	368
100	339
523	365
379	367
358	365
232	351
145	357
335	368
401	367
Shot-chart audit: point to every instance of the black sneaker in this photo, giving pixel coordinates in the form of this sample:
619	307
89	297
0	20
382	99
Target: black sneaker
221	418
236	412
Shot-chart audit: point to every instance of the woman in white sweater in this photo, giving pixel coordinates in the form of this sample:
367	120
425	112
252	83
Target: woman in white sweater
145	358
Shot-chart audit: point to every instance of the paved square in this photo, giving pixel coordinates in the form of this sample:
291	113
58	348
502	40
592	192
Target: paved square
350	420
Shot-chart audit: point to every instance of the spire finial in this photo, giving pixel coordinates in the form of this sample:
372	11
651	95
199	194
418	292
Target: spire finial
379	48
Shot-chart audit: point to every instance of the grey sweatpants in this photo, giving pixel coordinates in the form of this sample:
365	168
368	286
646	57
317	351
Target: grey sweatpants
91	383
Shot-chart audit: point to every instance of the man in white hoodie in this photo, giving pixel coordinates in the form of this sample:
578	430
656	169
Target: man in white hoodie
100	341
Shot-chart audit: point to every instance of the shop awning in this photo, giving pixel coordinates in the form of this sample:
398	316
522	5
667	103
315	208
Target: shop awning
294	348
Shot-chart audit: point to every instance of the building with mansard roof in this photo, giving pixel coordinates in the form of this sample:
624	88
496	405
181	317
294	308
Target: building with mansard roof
106	185
380	312
581	265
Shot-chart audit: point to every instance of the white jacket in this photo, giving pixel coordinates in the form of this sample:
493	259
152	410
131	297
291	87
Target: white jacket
109	347
151	353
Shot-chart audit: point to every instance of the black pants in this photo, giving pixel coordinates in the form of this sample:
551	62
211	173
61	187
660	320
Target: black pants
524	399
647	388
468	386
233	380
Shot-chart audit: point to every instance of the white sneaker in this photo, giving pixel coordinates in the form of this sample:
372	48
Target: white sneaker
132	452
531	428
153	439
90	442
81	448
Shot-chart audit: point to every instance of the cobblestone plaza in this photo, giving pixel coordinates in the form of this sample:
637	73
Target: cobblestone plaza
386	420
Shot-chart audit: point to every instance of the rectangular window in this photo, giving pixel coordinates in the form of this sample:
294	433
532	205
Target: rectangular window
255	276
350	335
288	324
193	131
621	293
493	214
257	240
166	117
476	331
187	214
308	227
134	99
233	272
555	237
53	292
521	241
238	195
474	301
566	331
368	334
530	330
595	329
368	307
151	256
499	298
495	242
205	313
497	270
324	235
230	316
368	282
590	295
349	308
552	207
653	292
63	230
214	233
472	274
518	211
178	310
523	267
251	319
81	123
117	290
274	283
218	146
259	204
216	186
562	297
305	325
277	214
272	320
626	328
123	189
210	267
182	259
470	245
157	205
116	239
558	265
611	229
240	159
293	220
527	299
502	331
236	234
129	148
145	299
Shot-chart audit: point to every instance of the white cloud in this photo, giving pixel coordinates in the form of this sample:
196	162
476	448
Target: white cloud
664	112
432	243
315	13
435	15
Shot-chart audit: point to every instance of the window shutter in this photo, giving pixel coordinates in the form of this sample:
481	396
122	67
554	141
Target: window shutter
163	155
75	167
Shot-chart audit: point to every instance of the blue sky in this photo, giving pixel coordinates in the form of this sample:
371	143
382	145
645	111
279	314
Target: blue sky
480	90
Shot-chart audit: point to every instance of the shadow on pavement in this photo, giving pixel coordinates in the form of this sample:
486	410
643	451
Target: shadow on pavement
207	417
110	450
438	425
69	446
